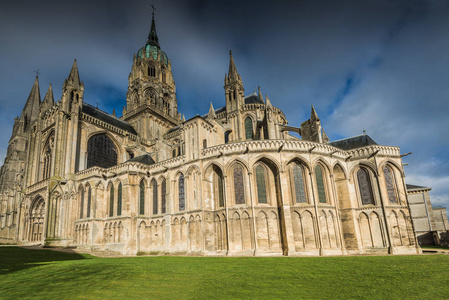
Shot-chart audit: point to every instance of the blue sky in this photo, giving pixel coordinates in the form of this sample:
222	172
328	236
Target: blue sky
379	65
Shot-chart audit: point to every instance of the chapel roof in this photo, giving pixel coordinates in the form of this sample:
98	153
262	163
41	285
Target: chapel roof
253	99
105	117
145	159
354	142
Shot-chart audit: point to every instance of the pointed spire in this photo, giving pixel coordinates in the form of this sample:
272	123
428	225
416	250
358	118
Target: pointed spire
49	100
260	94
314	115
183	118
267	102
232	68
153	40
31	109
74	76
211	114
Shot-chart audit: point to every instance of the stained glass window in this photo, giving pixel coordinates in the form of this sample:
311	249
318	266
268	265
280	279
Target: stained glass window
248	128
391	187
89	200
142	198
261	185
320	184
111	201
365	187
239	189
82	203
220	188
298	182
101	151
119	200
182	199
163	195
154	187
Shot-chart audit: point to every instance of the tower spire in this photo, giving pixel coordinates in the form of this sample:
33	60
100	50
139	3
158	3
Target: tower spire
153	40
30	112
232	68
74	76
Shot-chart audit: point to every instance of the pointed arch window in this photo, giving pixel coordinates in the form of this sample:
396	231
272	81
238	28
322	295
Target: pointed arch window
101	151
46	167
298	183
249	128
320	184
119	199
163	195
366	193
111	201
391	184
154	187
151	71
89	201
82	203
142	197
261	184
181	194
219	184
239	188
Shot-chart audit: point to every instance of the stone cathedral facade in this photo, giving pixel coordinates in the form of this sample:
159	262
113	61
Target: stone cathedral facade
231	182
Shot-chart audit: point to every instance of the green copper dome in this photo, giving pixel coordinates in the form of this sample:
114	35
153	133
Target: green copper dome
150	51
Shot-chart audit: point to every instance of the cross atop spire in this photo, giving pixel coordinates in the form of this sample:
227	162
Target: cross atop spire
37	73
153	40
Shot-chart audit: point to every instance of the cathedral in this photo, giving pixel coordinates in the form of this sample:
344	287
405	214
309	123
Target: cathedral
234	181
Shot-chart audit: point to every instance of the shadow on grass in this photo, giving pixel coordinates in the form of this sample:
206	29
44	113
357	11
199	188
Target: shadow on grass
14	259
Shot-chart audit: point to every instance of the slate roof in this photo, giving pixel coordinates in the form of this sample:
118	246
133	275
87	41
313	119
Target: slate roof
353	142
415	187
145	159
105	117
173	129
253	99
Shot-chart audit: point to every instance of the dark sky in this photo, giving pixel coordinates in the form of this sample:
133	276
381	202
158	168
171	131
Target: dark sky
379	65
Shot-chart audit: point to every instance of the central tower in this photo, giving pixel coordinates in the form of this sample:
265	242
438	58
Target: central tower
151	105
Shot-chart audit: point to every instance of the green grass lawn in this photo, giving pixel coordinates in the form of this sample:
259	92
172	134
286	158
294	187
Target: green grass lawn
49	274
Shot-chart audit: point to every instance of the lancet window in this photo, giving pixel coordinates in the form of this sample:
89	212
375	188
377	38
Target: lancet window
46	167
219	184
142	197
155	202
261	184
320	184
239	188
297	177
81	203
89	201
249	128
163	195
391	184
181	193
366	193
119	199
151	71
111	201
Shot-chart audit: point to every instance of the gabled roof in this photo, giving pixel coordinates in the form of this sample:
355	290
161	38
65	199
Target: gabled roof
145	159
105	117
354	142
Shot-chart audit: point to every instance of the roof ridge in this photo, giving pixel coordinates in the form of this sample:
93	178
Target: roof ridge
108	114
